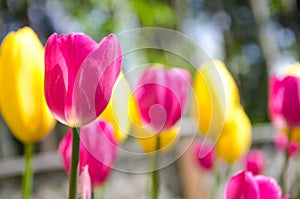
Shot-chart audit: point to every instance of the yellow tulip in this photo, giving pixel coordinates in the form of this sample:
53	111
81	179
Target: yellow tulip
117	110
22	101
235	138
216	95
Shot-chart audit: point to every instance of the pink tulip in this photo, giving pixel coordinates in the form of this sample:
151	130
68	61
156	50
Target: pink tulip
244	185
281	141
84	184
98	150
205	155
161	96
255	162
79	76
284	101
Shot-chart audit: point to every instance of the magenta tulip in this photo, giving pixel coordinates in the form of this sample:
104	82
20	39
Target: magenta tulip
80	75
204	154
244	185
284	101
255	161
98	150
161	96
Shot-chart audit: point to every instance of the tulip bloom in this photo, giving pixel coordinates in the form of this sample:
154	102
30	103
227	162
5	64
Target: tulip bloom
22	102
284	98
161	95
216	96
205	155
244	185
255	162
117	110
219	114
80	75
98	150
158	103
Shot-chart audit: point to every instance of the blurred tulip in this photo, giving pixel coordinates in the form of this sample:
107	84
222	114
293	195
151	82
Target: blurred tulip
244	185
161	96
117	110
205	155
284	98
235	138
216	96
84	184
218	112
98	150
80	75
22	102
281	141
255	161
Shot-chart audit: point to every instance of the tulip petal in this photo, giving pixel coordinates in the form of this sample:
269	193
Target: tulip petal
242	186
268	187
95	80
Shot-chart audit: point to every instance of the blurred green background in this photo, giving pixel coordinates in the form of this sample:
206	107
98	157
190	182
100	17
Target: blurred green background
252	37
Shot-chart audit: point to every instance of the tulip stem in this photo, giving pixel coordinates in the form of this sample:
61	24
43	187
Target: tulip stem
283	175
154	173
74	163
28	174
102	191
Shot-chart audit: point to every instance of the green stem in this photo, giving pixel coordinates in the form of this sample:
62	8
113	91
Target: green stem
74	164
154	173
216	183
28	174
102	191
93	194
283	177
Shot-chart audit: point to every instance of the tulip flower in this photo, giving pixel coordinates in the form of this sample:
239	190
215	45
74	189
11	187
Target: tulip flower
218	112
255	161
84	184
98	150
244	185
205	155
117	110
284	106
80	75
284	98
216	96
22	102
79	78
158	103
161	95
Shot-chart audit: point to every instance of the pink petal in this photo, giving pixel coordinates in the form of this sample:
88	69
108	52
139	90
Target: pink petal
84	184
205	155
242	186
96	78
268	187
281	141
291	101
65	150
161	95
100	150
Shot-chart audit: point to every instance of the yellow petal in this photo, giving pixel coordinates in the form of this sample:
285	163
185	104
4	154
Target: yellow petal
148	139
117	110
235	139
216	94
22	100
